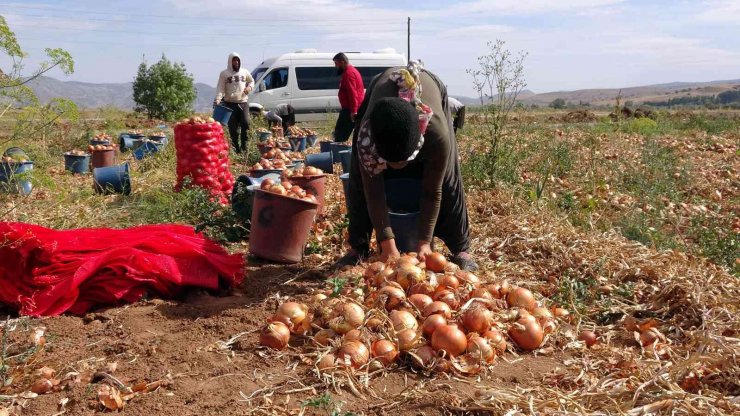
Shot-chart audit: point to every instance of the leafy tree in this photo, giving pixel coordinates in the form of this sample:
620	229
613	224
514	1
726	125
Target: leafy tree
558	104
34	118
727	97
164	90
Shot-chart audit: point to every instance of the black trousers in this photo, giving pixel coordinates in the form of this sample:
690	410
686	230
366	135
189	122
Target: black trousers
238	125
344	126
289	119
458	122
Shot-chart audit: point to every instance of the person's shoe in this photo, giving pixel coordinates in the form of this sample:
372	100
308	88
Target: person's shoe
465	262
352	258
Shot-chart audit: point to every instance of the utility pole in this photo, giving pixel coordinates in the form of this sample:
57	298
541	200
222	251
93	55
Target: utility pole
408	39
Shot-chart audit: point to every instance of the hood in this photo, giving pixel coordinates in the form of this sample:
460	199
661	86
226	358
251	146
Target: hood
231	56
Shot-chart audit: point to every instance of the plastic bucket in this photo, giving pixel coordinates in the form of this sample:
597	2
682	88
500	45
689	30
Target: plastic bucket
345	156
280	226
16	153
103	158
146	149
158	139
112	179
79	164
315	185
298	144
96	142
345	185
311	140
127	142
9	182
265	135
222	114
403	196
259	173
263	148
325	146
242	197
322	161
336	148
298	164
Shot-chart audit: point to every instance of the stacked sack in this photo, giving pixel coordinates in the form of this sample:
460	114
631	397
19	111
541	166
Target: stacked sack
203	155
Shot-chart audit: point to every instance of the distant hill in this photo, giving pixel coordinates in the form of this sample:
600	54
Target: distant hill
119	95
89	95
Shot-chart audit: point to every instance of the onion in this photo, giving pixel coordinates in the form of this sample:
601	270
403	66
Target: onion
420	301
294	311
481	349
407	339
588	337
477	319
495	290
318	298
436	262
280	318
347	316
373	323
45	372
408	274
450	339
448	297
266	183
403	320
480	293
324	337
521	298
383	277
449	281
451	267
353	354
353	335
42	386
423	356
560	313
423	288
541	313
384	351
407	258
327	362
373	269
527	333
303	327
468	278
440	308
497	341
275	335
431	323
650	337
504	289
548	325
391	297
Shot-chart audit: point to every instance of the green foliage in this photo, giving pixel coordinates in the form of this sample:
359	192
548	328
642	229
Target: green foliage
558	103
327	404
643	126
728	97
716	241
164	90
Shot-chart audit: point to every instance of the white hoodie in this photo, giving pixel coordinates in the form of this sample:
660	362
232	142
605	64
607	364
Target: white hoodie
233	86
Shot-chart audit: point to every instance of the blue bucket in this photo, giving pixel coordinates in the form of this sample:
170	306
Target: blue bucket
76	163
298	144
146	149
222	114
128	142
298	164
325	146
265	135
96	142
263	172
336	148
311	140
345	156
10	183
158	139
403	196
345	185
322	161
112	179
16	153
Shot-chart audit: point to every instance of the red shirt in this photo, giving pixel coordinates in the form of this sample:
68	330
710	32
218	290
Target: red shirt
351	90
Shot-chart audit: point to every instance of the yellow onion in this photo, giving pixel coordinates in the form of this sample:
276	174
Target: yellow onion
318	298
423	356
548	325
435	262
420	301
324	337
353	354
448	297
477	319
275	335
480	349
383	277
391	297
588	337
521	298
541	313
42	386
347	316
407	275
480	293
373	269
451	267
294	311
423	288
527	333
495	290
373	323
438	307
449	281
497	341
353	335
408	258
560	313
384	351
469	279
451	339
327	362
403	320
431	323
407	339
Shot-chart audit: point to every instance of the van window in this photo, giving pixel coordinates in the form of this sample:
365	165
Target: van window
326	78
257	73
277	78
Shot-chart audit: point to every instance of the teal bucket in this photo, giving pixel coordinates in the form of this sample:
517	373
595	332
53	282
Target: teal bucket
322	161
16	153
325	146
311	140
345	156
146	149
79	164
298	144
222	114
336	148
265	136
96	142
112	179
14	177
128	142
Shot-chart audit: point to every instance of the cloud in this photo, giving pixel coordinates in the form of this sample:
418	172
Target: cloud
670	50
526	7
475	31
720	11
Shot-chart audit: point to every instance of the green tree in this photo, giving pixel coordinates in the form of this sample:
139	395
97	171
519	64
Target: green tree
727	97
15	91
558	103
164	90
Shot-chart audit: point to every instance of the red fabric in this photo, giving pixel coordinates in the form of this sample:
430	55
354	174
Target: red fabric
351	89
46	272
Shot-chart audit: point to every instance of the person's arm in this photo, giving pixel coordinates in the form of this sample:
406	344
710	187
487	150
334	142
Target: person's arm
435	166
358	92
220	89
250	84
374	188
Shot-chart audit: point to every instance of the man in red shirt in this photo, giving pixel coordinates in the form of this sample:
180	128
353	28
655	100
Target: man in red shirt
351	94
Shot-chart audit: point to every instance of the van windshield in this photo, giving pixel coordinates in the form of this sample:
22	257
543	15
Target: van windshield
257	73
326	78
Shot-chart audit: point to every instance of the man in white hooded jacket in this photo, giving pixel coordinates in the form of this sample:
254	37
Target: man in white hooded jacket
234	83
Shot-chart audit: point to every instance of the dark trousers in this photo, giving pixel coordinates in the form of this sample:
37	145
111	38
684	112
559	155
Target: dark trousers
458	122
238	125
344	126
452	223
289	119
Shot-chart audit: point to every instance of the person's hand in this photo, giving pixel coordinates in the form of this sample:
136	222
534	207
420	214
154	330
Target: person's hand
389	251
215	103
247	90
423	250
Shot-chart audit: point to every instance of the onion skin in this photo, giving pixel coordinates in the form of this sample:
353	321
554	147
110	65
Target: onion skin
477	320
435	262
469	279
324	337
353	335
327	362
347	316
384	351
420	301
407	339
391	297
372	270
354	354
275	335
403	320
448	297
424	356
438	307
431	323
383	277
449	281
481	349
294	311
588	337
422	288
541	313
527	334
480	293
407	275
450	339
521	298
497	341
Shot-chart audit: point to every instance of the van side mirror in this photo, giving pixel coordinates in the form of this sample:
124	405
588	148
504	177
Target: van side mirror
261	87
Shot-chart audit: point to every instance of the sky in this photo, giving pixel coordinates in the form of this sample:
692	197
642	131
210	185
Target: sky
570	44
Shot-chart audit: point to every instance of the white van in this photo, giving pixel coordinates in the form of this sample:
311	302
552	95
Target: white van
308	81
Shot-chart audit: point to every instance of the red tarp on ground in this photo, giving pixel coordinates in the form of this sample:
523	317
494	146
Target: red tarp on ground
46	272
